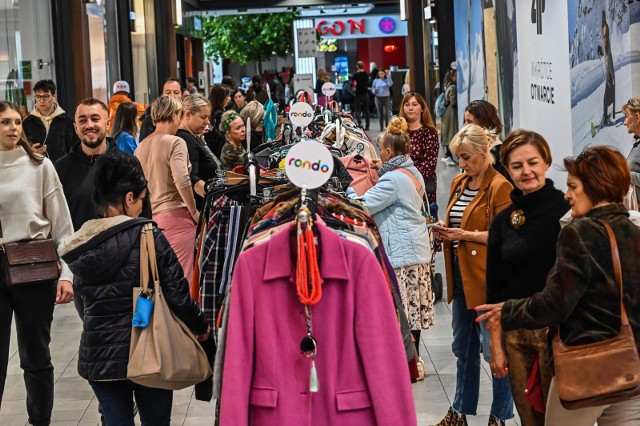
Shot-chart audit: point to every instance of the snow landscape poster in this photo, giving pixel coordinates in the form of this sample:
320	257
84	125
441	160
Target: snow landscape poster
601	60
469	53
507	46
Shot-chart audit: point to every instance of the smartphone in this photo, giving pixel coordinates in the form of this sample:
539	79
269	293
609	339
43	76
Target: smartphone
437	227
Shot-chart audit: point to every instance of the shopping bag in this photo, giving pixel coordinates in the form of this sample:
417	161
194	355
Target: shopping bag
165	354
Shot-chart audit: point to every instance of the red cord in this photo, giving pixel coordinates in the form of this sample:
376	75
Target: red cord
308	281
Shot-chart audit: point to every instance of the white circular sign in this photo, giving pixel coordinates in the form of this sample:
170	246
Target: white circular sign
308	164
328	89
301	114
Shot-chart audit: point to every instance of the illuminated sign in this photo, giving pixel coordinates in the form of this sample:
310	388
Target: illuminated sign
387	25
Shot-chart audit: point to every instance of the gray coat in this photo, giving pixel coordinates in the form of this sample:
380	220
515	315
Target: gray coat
449	126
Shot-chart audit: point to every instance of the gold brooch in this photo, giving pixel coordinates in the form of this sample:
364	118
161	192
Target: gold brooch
517	219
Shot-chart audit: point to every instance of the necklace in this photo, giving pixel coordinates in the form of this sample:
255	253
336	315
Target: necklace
308	287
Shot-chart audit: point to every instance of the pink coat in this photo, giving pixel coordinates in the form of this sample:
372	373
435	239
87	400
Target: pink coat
362	370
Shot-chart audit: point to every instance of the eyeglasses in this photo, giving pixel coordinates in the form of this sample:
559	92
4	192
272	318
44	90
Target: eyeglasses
42	97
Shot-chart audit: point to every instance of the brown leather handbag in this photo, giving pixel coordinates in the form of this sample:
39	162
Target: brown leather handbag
29	261
599	373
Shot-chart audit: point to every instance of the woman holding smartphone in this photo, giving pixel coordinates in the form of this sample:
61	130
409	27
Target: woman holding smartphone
477	195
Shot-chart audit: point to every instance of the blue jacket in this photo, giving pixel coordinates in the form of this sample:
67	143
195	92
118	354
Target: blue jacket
396	207
126	143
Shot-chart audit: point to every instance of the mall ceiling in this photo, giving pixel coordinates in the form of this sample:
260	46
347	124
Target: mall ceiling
211	5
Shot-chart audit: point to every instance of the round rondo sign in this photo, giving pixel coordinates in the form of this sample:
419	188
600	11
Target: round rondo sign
328	89
308	164
301	114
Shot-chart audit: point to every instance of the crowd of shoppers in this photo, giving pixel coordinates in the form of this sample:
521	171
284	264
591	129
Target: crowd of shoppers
515	278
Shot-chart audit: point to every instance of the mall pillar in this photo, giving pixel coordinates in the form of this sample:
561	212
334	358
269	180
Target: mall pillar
417	46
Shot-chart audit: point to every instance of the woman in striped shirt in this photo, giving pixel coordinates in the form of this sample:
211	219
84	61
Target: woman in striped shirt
477	195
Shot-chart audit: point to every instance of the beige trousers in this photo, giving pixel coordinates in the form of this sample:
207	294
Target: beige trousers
625	413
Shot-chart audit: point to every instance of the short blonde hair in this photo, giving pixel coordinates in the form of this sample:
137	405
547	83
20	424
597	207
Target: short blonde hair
255	111
632	106
474	139
164	109
193	103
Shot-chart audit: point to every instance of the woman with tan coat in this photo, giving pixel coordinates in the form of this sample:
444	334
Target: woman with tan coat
477	195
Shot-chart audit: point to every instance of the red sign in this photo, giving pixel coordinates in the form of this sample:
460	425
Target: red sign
338	27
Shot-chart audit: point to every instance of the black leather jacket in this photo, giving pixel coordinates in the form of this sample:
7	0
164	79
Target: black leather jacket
104	257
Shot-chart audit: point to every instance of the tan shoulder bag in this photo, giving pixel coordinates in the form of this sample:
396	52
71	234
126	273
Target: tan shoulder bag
603	372
165	354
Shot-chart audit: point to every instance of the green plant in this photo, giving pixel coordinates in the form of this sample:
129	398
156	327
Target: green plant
249	38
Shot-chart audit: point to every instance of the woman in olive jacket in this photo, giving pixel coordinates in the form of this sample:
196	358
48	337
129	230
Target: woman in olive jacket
104	256
581	296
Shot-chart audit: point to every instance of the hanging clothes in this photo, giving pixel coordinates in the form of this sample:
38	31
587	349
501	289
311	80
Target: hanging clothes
361	365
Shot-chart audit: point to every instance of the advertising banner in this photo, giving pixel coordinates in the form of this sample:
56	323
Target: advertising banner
601	61
543	76
470	61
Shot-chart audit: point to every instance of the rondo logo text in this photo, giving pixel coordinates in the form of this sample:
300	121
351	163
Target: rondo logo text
309	165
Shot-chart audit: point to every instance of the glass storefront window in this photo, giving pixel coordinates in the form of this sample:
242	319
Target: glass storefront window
26	49
139	52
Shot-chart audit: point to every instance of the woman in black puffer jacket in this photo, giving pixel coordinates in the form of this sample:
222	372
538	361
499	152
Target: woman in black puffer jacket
104	256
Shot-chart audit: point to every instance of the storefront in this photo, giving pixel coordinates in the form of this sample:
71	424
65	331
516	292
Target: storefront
190	52
26	49
379	39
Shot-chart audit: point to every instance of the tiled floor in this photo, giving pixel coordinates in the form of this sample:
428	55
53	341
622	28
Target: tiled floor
75	403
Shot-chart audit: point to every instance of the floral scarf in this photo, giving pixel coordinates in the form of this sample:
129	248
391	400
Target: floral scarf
392	164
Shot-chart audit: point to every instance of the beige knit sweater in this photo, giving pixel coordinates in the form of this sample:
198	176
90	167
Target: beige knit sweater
32	204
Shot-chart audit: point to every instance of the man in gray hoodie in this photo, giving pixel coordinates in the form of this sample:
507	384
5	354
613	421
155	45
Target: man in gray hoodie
48	127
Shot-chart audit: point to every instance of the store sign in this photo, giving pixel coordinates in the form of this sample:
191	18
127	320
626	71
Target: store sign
362	26
308	164
338	27
306	38
301	114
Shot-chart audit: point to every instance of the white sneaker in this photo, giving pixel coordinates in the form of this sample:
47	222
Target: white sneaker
450	162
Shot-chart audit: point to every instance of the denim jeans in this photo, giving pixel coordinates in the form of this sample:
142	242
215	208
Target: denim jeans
116	400
466	348
32	308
